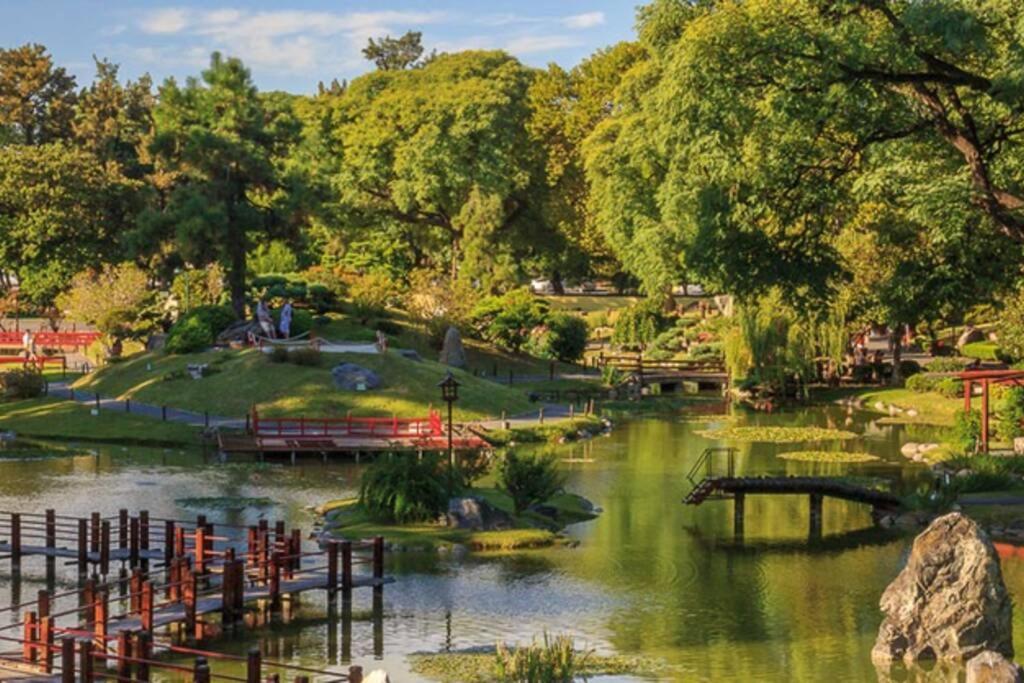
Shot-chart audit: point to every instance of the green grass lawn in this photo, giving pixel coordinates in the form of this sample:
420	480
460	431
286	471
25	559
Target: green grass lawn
249	377
932	408
57	419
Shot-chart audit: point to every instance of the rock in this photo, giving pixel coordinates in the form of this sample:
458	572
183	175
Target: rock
949	602
411	354
8	435
969	336
239	332
1018	445
351	377
452	352
964	473
879	406
909	448
156	342
377	676
926	447
911	412
992	667
894	410
473	512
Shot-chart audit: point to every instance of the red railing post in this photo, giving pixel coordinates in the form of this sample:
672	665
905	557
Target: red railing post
200	547
252	666
46	641
85	661
124	653
29	637
102	613
146	606
144	651
67	660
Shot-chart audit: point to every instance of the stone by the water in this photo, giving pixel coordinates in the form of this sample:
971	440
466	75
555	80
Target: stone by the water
453	353
352	377
473	512
992	667
949	602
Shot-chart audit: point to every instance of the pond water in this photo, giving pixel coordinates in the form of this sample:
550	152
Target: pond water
650	577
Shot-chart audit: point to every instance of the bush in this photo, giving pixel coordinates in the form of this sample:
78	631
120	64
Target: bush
17	384
321	298
706	351
921	383
509	319
198	329
909	368
1010	414
390	327
404	489
966	432
307	357
1011	326
278	354
529	479
984	350
371	294
946	365
639	324
950	387
563	337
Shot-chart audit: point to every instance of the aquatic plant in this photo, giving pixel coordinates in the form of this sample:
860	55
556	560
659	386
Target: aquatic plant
403	488
556	660
529	479
224	502
828	456
776	434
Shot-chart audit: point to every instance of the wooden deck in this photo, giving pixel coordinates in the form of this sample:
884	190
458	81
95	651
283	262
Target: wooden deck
719	487
249	443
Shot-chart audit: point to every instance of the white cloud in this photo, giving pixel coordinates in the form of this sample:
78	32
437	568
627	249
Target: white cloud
529	44
165	21
585	20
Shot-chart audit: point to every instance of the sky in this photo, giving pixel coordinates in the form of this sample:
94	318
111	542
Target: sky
292	45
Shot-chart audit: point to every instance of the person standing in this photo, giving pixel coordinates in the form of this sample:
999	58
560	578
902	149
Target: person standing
265	321
286	320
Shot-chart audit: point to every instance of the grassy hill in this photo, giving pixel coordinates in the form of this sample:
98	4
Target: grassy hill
248	377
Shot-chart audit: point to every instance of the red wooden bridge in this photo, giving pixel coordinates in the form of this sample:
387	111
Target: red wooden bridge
113	624
53	340
347	435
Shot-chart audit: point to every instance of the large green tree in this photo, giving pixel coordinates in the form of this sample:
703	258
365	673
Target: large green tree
37	99
443	151
759	127
215	142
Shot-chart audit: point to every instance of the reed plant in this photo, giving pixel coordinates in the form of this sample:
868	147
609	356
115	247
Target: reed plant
555	660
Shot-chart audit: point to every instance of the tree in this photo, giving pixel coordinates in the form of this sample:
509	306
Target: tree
442	153
117	300
36	99
394	54
61	211
213	138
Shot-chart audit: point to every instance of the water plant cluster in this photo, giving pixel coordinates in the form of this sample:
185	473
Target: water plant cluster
828	456
776	434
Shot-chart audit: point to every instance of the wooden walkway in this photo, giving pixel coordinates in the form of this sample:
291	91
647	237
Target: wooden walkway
645	372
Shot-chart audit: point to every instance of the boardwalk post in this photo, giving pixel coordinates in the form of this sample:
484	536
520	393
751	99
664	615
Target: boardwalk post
146	605
189	595
275	580
83	546
122	528
85	660
201	671
51	542
15	538
89	601
133	552
378	558
144	536
252	666
95	545
738	501
179	542
29	637
43	603
815	522
105	548
46	642
355	674
296	561
67	660
169	537
346	566
200	548
135	591
332	567
143	651
251	543
102	612
227	588
124	653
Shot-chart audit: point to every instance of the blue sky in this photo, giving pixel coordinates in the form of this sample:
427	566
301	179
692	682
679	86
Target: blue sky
292	44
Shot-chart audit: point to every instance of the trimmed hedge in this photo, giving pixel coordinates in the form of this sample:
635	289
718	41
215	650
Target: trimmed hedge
197	330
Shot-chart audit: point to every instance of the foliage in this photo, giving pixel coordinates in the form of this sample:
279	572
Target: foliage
638	325
403	488
199	286
769	344
116	300
705	351
21	384
395	54
308	357
37	99
272	257
556	660
509	319
945	365
198	328
1011	325
439	303
985	350
950	387
371	294
1010	413
562	337
529	479
966	432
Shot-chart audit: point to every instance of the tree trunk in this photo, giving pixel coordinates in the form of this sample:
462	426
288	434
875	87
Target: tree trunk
235	248
897	347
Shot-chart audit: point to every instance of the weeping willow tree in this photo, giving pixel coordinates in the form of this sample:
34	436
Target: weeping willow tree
773	345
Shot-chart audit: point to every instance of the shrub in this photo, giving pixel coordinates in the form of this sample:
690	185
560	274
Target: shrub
946	365
27	383
706	351
639	324
278	354
950	387
321	298
984	350
1011	325
274	257
371	294
563	337
509	319
390	327
1010	413
554	661
909	368
966	431
922	383
403	489
307	357
529	479
198	329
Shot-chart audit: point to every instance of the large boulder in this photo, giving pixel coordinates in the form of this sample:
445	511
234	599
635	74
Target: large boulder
949	602
473	512
452	352
352	377
992	667
970	336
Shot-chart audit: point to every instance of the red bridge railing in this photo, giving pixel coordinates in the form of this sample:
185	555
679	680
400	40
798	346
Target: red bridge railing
61	340
430	426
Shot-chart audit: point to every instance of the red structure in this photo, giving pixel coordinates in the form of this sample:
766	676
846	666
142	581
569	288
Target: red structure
986	378
56	340
299	427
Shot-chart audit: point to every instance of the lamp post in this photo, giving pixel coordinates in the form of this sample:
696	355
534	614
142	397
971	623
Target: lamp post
450	394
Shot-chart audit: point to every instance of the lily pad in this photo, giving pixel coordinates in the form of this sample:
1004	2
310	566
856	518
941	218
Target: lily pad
225	502
827	456
776	434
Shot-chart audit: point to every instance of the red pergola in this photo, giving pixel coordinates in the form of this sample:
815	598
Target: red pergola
986	378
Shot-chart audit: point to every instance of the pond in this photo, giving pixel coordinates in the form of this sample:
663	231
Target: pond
650	577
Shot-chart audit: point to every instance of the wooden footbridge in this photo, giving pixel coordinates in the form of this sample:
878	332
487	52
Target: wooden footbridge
183	578
708	484
668	374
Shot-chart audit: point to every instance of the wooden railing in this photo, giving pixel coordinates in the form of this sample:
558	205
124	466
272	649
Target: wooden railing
638	363
62	340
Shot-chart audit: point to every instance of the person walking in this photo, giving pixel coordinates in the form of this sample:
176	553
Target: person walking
286	320
264	319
